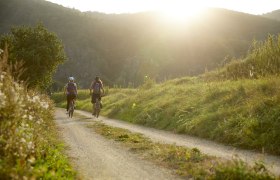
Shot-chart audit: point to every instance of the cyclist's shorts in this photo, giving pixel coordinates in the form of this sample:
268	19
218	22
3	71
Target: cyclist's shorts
71	96
94	97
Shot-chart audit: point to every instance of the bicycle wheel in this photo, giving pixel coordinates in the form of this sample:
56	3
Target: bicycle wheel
97	113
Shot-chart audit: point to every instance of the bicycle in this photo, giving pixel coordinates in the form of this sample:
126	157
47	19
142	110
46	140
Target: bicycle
96	104
71	108
96	108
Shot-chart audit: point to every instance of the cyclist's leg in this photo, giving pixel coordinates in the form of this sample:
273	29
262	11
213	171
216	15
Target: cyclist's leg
93	100
99	98
71	106
97	107
68	101
74	96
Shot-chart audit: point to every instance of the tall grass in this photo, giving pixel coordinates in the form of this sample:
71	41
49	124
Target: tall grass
29	148
262	60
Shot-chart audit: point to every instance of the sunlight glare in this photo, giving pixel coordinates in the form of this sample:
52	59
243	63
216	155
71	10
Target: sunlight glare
181	13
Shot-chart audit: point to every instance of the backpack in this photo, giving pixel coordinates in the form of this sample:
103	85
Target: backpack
71	88
96	87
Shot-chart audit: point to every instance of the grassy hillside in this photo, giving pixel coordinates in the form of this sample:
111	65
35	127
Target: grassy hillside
242	113
139	44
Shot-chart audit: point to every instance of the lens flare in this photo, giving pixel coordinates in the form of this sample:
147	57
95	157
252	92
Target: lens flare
181	12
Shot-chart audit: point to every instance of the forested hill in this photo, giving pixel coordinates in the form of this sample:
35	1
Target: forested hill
126	47
273	15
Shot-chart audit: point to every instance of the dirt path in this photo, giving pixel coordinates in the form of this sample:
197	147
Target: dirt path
98	158
205	146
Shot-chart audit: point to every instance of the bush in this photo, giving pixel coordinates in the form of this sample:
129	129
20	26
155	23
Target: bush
39	51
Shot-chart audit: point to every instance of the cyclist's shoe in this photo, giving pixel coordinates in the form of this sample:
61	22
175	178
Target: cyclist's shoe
93	114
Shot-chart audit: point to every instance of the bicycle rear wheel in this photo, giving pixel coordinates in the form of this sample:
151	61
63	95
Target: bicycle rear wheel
97	113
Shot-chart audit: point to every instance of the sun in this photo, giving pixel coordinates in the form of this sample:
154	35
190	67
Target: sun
181	13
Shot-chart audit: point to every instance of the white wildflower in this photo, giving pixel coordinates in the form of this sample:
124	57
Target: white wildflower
30	145
35	99
28	97
44	105
14	95
2	100
31	160
16	85
30	117
22	140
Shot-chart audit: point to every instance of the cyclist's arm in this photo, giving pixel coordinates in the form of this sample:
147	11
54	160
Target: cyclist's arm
102	89
90	88
76	89
65	89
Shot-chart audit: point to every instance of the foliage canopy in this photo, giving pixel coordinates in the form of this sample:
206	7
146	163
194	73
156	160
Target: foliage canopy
40	51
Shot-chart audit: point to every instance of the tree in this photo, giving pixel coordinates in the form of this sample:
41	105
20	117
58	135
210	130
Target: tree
40	51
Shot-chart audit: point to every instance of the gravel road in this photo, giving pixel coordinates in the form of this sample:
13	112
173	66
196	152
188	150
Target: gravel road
95	157
205	146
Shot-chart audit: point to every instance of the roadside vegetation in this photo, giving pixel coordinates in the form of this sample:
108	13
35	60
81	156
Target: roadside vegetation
187	163
29	145
241	110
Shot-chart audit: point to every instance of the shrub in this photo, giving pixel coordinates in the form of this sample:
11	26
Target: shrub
38	50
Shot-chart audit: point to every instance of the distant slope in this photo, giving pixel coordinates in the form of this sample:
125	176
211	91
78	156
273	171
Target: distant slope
273	15
124	48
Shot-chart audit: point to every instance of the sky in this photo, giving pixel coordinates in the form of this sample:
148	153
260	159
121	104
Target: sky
256	7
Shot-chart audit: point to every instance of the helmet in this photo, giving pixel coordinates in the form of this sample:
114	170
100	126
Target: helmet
71	78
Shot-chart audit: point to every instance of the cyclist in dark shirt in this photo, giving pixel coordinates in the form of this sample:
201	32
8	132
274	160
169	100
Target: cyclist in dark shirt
95	90
71	91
